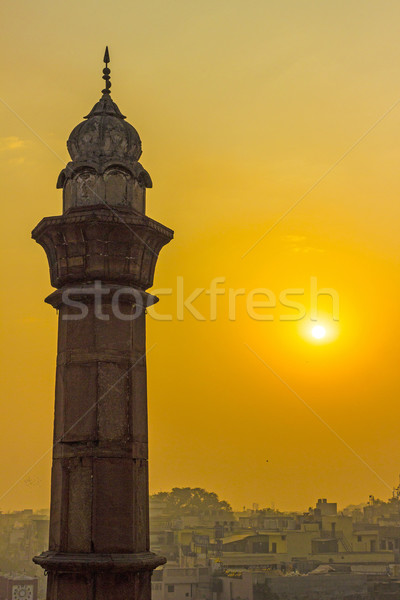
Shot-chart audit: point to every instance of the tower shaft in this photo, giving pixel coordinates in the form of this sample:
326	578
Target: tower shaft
99	528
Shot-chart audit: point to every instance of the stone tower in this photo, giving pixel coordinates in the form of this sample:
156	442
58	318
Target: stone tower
102	252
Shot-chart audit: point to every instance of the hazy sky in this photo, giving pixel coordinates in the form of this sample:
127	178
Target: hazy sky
242	106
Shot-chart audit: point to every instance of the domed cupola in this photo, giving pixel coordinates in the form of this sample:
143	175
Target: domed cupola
105	150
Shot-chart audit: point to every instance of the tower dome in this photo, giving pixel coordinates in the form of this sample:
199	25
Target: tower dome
104	136
105	150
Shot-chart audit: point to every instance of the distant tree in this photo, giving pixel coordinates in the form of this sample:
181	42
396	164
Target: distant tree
265	511
193	502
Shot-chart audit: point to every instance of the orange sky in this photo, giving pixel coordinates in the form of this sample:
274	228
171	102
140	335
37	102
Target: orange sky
241	107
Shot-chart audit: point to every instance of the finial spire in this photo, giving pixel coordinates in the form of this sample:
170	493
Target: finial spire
106	72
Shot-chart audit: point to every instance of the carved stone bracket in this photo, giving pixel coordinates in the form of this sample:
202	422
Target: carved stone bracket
70	563
85	245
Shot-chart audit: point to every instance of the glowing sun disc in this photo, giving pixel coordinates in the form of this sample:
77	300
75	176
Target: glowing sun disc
318	332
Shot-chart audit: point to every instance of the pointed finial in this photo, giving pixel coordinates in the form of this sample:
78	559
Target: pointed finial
106	72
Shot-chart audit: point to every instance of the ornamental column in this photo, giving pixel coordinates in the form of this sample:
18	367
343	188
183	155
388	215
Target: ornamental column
102	253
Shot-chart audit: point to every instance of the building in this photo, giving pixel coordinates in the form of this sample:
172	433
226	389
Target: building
18	587
181	583
102	253
323	583
24	533
268	539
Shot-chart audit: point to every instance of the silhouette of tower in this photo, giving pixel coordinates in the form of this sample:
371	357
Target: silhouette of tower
102	253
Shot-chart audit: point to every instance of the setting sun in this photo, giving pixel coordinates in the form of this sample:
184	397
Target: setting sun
318	332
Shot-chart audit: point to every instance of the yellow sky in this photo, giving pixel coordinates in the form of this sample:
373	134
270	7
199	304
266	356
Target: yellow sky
241	107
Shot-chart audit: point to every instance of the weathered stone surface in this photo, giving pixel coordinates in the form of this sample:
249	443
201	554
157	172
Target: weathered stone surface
96	244
113	407
80	402
105	134
79	521
105	150
99	522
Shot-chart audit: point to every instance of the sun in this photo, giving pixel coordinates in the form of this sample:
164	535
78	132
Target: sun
318	332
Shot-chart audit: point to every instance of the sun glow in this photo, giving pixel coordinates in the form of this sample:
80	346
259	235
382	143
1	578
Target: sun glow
318	332
321	332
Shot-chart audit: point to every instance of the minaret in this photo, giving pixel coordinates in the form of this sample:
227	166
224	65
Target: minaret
102	253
